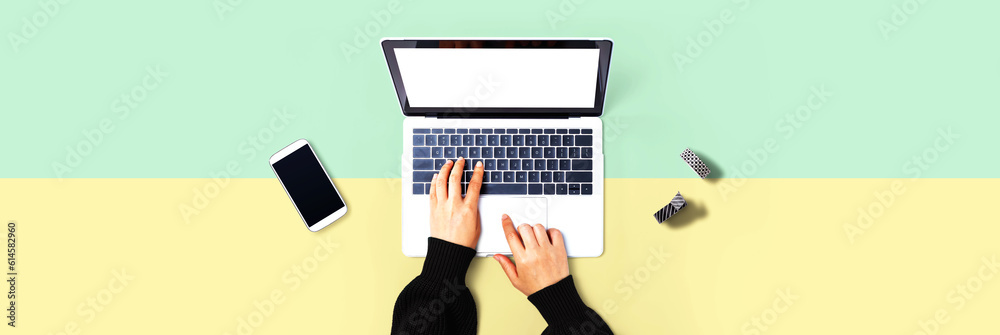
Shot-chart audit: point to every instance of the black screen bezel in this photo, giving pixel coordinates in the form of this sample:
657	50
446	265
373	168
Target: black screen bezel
604	64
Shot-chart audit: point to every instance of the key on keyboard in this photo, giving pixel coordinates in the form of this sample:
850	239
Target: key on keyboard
516	161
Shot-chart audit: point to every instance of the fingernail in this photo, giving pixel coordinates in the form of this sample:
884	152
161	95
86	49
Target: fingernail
460	158
479	164
505	217
435	176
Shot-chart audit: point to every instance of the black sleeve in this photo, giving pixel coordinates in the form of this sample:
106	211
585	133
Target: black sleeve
437	301
565	312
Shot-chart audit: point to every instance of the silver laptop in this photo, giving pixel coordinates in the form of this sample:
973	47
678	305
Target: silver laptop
528	109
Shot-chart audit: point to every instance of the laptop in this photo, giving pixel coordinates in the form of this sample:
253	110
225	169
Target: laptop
528	109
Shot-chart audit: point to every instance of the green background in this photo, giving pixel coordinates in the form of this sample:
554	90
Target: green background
227	73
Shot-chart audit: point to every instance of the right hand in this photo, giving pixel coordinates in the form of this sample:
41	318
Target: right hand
540	255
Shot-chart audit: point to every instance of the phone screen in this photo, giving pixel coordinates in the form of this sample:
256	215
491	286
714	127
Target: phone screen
309	187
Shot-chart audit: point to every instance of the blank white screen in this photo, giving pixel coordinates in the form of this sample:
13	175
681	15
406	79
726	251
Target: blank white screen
493	77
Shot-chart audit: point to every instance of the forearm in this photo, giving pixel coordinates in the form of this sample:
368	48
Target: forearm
565	312
437	301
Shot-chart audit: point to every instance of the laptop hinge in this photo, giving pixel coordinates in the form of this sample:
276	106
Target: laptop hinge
502	116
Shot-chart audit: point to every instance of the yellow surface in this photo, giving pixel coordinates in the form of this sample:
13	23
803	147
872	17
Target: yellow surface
728	258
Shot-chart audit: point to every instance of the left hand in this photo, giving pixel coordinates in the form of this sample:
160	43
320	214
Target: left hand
453	218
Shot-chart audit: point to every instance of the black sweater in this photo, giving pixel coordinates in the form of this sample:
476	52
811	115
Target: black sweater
438	302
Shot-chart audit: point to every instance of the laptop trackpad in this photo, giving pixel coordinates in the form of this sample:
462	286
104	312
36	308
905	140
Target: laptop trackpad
530	210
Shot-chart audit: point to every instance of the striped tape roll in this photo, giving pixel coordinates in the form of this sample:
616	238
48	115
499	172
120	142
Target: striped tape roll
670	209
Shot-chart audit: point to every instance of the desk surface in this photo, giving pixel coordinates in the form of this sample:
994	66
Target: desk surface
221	73
728	260
765	90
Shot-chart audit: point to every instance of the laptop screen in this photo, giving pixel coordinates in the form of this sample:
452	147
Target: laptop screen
470	78
496	77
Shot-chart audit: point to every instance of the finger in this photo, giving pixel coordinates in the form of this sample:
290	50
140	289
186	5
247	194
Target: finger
508	267
434	198
455	180
527	235
513	239
442	181
472	195
557	238
541	235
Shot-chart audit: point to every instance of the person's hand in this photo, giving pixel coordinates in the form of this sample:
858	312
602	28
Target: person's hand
453	218
540	255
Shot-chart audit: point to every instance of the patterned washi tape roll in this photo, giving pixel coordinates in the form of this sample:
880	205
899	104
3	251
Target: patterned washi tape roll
695	163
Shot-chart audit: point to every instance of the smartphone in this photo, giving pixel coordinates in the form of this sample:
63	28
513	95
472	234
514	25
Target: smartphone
308	185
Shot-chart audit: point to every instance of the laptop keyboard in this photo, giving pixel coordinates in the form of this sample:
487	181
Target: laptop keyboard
516	161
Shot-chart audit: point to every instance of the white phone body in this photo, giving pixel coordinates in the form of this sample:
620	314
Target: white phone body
328	219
